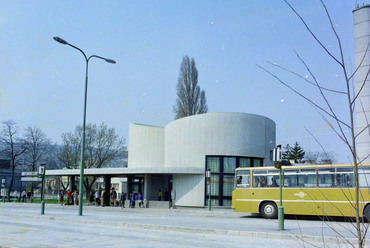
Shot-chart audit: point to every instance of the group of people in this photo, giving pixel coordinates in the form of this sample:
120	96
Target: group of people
104	197
165	196
27	197
133	197
72	197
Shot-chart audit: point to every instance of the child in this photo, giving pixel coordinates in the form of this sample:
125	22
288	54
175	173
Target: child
140	199
122	199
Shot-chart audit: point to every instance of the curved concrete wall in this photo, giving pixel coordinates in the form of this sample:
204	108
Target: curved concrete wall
146	146
361	28
189	139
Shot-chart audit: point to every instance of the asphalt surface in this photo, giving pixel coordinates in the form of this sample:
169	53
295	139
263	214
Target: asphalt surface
22	225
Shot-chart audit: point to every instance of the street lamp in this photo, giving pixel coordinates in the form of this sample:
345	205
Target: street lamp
80	196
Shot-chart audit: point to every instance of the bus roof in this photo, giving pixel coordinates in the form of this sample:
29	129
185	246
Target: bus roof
303	166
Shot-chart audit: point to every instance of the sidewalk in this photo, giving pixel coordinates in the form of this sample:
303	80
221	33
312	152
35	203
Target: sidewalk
220	222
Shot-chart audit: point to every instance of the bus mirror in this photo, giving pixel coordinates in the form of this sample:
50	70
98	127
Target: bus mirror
277	165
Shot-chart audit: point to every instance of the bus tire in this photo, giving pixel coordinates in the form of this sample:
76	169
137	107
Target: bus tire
269	210
367	213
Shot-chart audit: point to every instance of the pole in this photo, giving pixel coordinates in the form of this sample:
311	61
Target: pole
209	189
3	189
281	208
80	196
42	172
209	194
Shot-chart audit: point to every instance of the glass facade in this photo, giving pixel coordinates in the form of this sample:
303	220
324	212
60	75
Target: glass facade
223	176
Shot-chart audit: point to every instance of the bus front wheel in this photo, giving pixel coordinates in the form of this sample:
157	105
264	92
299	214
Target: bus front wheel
269	210
367	213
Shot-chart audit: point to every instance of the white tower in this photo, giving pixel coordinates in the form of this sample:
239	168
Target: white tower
361	27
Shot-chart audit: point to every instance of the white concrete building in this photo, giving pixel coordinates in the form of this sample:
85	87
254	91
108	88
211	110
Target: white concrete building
176	156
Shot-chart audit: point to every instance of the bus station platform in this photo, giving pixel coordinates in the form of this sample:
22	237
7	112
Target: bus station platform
23	225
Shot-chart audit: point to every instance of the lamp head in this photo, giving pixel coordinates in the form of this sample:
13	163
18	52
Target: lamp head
60	40
110	61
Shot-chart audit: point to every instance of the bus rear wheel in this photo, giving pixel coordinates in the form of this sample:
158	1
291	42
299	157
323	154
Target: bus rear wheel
269	210
367	213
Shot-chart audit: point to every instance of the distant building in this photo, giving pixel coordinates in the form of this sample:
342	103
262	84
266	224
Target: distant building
6	173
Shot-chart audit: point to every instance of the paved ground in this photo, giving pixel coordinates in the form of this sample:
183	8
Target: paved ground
22	225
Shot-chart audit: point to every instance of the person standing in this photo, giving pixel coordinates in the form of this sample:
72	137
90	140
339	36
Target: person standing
91	198
24	196
123	199
133	198
75	197
61	196
140	199
113	197
160	195
69	198
97	198
103	197
29	196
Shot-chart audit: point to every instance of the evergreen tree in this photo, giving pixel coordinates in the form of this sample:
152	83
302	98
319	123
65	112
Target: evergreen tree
295	153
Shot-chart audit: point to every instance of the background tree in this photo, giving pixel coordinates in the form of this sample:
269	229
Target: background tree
37	145
102	145
190	99
295	153
286	152
13	148
343	126
319	157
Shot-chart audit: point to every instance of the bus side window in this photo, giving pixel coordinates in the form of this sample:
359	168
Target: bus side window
262	182
242	179
364	177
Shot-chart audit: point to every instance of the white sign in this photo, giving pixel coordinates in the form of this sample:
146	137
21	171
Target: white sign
33	173
41	170
31	179
2	192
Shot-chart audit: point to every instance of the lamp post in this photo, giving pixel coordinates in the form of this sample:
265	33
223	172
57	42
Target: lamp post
42	174
278	165
80	196
208	175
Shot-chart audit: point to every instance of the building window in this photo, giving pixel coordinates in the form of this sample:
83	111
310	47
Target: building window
213	164
222	176
229	164
245	162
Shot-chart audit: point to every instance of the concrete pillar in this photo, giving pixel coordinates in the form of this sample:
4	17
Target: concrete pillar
107	186
129	185
72	181
147	181
361	28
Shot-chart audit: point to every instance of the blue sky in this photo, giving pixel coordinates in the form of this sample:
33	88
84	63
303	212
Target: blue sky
42	81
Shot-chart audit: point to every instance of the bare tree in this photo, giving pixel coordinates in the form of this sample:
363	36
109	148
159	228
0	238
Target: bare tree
345	130
13	149
190	99
38	145
102	146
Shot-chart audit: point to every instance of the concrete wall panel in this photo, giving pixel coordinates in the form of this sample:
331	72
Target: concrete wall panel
189	190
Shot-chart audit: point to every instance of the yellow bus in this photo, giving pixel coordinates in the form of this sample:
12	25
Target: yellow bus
321	190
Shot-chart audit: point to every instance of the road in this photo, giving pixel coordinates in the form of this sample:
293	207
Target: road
22	225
